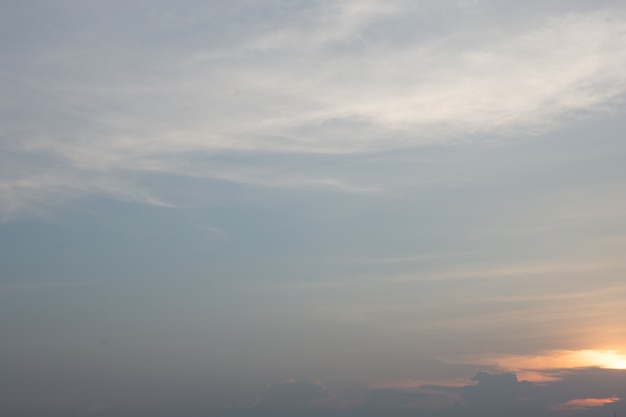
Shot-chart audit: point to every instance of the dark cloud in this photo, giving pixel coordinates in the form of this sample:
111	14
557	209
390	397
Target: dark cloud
400	403
298	397
497	395
293	397
578	393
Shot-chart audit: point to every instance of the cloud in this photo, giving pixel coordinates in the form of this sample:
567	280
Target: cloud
395	402
460	84
584	403
36	286
333	78
325	24
296	397
487	395
52	406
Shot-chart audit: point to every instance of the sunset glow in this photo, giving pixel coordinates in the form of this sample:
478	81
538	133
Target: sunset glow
526	366
582	403
609	359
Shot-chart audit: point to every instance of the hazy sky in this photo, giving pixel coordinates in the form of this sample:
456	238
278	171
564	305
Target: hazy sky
314	208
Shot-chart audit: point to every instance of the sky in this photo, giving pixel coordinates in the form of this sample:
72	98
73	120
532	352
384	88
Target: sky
316	208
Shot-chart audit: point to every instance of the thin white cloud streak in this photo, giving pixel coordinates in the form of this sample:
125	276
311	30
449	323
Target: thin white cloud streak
411	259
473	307
326	24
37	192
564	267
325	83
216	231
37	286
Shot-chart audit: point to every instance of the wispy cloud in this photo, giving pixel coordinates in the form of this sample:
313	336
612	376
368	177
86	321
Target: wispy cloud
36	286
584	403
329	79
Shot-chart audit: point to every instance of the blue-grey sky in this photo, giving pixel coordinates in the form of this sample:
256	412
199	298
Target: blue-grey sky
315	208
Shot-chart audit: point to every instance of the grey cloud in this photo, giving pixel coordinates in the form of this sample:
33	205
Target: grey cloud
489	395
298	397
399	403
293	397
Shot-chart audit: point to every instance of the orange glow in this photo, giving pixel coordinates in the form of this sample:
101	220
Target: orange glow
609	359
581	403
536	376
559	359
536	367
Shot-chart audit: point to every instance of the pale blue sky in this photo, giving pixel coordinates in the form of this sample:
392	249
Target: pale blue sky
324	207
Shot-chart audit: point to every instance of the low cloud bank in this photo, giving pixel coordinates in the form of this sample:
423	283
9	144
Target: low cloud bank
584	392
